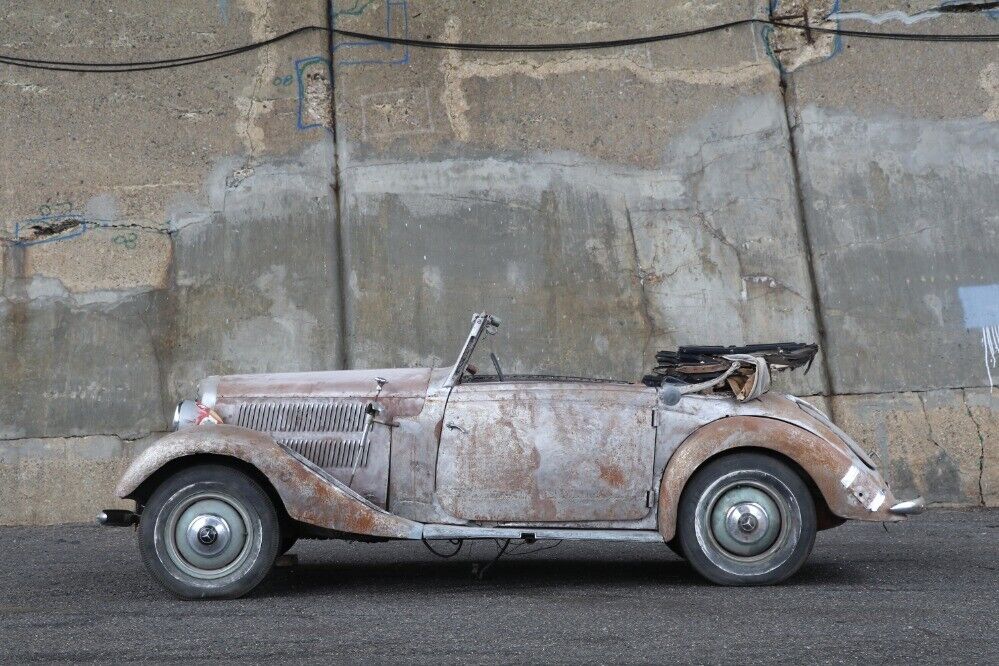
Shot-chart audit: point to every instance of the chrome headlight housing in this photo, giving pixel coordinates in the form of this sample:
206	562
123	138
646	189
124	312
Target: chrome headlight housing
209	391
185	414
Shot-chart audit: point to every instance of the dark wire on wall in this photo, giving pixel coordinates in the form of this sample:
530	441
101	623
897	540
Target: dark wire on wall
167	63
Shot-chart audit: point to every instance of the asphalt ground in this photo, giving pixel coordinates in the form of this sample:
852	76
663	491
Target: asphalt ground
926	591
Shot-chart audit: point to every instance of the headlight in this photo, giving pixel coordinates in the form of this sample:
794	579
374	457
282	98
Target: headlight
209	391
185	414
817	414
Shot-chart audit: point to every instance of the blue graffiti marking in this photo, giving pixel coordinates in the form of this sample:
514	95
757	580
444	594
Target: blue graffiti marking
391	7
300	67
768	30
980	304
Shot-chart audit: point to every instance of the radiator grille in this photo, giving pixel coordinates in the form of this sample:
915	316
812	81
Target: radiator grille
329	453
302	416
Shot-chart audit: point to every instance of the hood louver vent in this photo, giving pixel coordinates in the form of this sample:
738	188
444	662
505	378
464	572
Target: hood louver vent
318	417
306	429
329	453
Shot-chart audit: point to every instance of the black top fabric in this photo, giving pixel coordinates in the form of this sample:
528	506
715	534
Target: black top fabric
700	363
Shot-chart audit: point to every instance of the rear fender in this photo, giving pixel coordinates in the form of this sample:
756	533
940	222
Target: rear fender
849	489
309	495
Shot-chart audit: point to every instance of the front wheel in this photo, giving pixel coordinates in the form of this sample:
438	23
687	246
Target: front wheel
746	519
209	531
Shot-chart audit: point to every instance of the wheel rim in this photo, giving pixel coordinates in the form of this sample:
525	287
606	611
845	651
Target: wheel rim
747	522
209	535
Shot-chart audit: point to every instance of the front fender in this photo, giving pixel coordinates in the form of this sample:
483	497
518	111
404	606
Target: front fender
850	489
309	496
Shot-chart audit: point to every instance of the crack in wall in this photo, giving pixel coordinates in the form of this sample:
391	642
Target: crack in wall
821	327
929	425
981	440
643	292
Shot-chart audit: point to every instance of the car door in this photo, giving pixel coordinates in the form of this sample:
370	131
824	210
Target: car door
547	451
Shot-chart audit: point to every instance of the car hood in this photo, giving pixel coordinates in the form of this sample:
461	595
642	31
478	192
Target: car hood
400	383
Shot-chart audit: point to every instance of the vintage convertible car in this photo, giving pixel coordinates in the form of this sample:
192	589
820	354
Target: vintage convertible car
736	481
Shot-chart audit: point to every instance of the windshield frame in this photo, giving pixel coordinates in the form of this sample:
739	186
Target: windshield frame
481	323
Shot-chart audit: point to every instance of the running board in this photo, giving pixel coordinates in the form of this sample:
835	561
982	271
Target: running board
532	533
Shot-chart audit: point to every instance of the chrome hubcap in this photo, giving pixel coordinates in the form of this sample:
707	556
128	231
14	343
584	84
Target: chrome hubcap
208	535
745	520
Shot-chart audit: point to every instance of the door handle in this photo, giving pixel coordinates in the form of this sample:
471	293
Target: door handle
451	425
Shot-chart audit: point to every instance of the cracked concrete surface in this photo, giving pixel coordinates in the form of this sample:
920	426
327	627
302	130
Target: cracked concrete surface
607	204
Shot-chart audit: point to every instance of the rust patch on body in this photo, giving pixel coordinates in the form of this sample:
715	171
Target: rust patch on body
612	475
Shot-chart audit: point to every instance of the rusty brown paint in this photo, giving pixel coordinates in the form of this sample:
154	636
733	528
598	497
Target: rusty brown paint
825	462
308	495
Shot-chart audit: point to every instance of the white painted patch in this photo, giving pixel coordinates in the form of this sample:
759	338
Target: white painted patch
878	500
850	476
878	19
990	341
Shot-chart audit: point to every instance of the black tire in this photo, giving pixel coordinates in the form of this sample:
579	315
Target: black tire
674	545
746	519
209	532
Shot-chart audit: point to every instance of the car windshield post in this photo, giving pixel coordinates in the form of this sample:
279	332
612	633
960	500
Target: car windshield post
479	323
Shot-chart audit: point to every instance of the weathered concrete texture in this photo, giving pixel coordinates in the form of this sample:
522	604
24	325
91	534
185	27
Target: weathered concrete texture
154	228
598	265
938	444
256	277
191	229
619	105
983	407
57	480
611	203
899	149
902	213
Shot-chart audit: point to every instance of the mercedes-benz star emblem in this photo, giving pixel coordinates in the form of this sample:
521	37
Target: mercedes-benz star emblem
207	535
747	522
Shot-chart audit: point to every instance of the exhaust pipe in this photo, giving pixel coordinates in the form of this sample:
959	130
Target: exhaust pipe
117	518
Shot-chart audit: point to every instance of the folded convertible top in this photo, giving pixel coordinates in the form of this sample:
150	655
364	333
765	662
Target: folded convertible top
701	363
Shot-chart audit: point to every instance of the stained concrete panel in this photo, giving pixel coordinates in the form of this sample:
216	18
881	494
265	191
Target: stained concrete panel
899	182
607	203
73	369
257	279
594	265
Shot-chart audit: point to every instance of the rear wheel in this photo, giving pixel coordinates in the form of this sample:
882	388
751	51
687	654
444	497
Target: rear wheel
209	531
746	519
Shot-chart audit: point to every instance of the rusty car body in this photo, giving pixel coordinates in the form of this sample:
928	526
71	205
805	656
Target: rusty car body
737	483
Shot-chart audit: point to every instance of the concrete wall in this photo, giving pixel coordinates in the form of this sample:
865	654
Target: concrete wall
735	187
